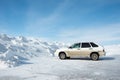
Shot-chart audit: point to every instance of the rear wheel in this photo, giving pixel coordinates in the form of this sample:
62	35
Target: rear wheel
94	56
62	55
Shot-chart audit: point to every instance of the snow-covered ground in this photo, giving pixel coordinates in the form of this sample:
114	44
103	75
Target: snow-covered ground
50	68
32	59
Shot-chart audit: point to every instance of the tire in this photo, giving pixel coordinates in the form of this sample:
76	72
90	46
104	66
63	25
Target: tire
94	56
62	55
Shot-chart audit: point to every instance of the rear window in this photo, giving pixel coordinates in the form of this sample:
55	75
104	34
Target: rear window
94	45
85	45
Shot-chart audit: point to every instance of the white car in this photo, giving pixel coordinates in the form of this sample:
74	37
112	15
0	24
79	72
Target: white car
83	49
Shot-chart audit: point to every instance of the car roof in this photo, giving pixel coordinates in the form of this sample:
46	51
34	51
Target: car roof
85	42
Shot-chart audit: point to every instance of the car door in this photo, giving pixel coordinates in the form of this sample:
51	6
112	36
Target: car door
85	49
74	51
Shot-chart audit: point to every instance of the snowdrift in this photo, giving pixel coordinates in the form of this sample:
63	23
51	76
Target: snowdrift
15	51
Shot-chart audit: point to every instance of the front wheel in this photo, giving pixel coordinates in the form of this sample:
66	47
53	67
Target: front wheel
94	56
62	55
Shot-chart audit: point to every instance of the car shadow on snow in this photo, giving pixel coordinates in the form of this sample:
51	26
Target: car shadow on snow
107	58
78	59
88	59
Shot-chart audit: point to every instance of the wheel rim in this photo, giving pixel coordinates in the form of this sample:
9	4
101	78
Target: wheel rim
94	56
62	56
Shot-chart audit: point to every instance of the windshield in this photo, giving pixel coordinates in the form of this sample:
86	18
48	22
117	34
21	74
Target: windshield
76	45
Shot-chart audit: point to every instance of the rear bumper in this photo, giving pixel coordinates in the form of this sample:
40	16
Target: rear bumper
102	53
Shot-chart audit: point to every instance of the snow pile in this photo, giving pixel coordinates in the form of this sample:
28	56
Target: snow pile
15	51
3	65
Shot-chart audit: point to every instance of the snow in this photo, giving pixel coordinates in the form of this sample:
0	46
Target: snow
23	58
3	65
51	68
17	50
113	49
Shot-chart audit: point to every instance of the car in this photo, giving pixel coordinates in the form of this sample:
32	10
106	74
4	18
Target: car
82	49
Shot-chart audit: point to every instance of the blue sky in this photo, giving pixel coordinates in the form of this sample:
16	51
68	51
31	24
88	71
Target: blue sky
62	20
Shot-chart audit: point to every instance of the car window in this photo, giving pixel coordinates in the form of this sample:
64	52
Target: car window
85	45
93	44
77	45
